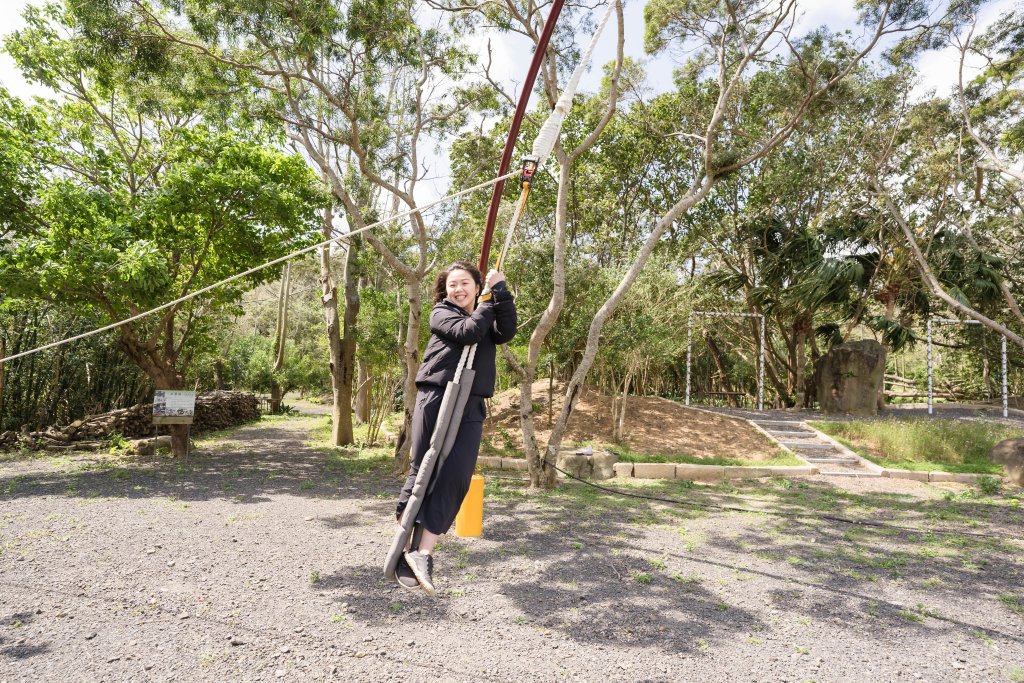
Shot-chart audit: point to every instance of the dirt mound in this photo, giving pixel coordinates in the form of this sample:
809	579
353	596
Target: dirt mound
653	425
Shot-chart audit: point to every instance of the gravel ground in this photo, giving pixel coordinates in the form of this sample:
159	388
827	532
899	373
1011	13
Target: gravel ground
260	560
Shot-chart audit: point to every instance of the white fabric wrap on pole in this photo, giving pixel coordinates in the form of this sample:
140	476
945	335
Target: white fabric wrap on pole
689	350
1006	402
545	140
929	366
446	428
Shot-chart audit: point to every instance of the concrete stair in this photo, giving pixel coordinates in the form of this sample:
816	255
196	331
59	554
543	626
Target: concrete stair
814	447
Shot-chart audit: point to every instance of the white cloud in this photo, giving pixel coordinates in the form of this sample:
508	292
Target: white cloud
939	70
10	76
812	14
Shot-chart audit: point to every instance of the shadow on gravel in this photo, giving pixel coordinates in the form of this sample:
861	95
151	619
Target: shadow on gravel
583	562
536	570
254	465
602	570
13	647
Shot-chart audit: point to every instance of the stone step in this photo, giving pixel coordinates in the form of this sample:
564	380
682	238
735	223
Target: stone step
809	445
791	435
830	461
849	473
785	423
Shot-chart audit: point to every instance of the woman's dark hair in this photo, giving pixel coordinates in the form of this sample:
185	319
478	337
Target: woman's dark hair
440	285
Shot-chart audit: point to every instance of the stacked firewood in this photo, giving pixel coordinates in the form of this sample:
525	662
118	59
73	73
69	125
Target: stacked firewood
223	409
8	441
216	410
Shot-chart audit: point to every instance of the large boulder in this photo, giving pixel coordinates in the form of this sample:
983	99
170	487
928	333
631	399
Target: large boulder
848	379
586	464
1010	454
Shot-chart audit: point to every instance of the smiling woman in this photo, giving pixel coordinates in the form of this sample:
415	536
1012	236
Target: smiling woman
456	322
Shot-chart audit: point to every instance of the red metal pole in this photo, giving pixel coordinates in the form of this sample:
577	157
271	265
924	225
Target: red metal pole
513	133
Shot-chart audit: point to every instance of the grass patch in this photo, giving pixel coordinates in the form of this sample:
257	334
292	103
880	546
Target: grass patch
320	432
348	459
927	444
1012	603
361	461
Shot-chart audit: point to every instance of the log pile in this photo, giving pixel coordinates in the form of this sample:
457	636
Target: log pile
223	409
216	410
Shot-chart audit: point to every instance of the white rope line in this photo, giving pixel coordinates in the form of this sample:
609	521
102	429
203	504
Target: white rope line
548	133
276	261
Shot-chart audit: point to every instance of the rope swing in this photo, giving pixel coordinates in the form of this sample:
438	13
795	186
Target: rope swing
456	392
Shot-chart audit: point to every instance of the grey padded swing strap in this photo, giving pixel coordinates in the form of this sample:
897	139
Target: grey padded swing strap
449	416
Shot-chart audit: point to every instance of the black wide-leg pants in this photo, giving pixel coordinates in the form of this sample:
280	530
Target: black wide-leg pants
437	513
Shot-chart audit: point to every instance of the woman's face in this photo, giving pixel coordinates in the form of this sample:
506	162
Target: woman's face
461	288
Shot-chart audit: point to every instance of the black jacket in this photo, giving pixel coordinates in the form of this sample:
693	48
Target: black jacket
492	323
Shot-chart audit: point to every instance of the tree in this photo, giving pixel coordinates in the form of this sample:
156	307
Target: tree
958	163
140	197
358	87
725	41
567	152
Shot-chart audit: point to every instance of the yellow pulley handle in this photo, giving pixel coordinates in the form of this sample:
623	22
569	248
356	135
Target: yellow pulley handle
529	168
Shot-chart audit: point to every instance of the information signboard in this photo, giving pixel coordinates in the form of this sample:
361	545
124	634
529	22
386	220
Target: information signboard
174	407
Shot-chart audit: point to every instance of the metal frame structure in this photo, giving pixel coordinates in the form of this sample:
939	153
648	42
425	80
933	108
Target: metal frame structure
954	321
725	314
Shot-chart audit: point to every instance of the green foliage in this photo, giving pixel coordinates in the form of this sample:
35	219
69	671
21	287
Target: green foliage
990	486
139	194
66	383
159	171
117	442
781	459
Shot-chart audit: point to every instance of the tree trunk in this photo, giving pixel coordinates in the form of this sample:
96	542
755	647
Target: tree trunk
3	367
218	374
329	300
693	196
551	394
620	425
280	334
275	397
411	366
531	450
58	378
282	317
364	392
347	371
716	355
933	282
800	353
